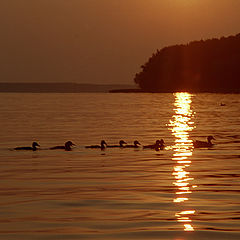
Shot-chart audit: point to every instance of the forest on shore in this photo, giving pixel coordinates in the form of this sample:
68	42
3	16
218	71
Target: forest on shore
201	66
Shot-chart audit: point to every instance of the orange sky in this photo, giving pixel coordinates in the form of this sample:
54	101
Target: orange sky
101	41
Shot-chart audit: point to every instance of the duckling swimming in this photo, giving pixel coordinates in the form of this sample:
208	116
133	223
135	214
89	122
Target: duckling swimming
33	148
135	145
159	145
121	142
66	147
102	146
202	144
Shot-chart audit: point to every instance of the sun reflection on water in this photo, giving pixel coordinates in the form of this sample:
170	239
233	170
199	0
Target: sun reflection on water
180	125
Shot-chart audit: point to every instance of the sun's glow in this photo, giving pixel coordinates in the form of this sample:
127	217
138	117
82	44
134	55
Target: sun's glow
188	228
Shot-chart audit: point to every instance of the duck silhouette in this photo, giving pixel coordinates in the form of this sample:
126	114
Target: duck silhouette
121	144
159	145
202	144
33	148
135	145
102	146
66	147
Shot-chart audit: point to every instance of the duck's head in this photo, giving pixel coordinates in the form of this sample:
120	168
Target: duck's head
137	143
209	138
103	143
121	142
35	144
69	144
162	141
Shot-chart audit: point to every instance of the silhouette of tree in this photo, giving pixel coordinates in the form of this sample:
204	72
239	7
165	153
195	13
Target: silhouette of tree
200	66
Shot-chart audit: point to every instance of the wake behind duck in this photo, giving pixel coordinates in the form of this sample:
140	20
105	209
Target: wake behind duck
135	145
121	144
33	148
102	146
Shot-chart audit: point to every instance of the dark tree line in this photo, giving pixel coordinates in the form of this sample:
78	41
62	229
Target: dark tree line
200	66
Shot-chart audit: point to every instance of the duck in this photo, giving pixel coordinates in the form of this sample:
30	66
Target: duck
202	144
135	145
103	145
159	145
121	142
67	146
33	148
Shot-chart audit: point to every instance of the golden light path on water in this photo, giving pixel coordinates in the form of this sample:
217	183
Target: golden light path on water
181	124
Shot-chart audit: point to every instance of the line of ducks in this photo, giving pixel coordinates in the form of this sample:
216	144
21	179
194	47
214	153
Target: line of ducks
158	145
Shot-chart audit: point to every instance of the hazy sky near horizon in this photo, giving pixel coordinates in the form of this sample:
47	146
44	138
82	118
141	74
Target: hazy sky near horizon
101	41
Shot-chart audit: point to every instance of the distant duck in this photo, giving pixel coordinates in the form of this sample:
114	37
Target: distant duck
121	144
135	145
202	144
102	146
222	104
66	147
33	148
159	145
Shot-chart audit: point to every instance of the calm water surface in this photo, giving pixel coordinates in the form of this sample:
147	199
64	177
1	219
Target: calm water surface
179	193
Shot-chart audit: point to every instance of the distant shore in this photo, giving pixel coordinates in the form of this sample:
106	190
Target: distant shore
131	90
82	88
56	87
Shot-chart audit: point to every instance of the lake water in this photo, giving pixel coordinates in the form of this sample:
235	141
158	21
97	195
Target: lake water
178	193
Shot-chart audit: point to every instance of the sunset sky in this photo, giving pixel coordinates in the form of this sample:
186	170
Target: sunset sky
101	41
